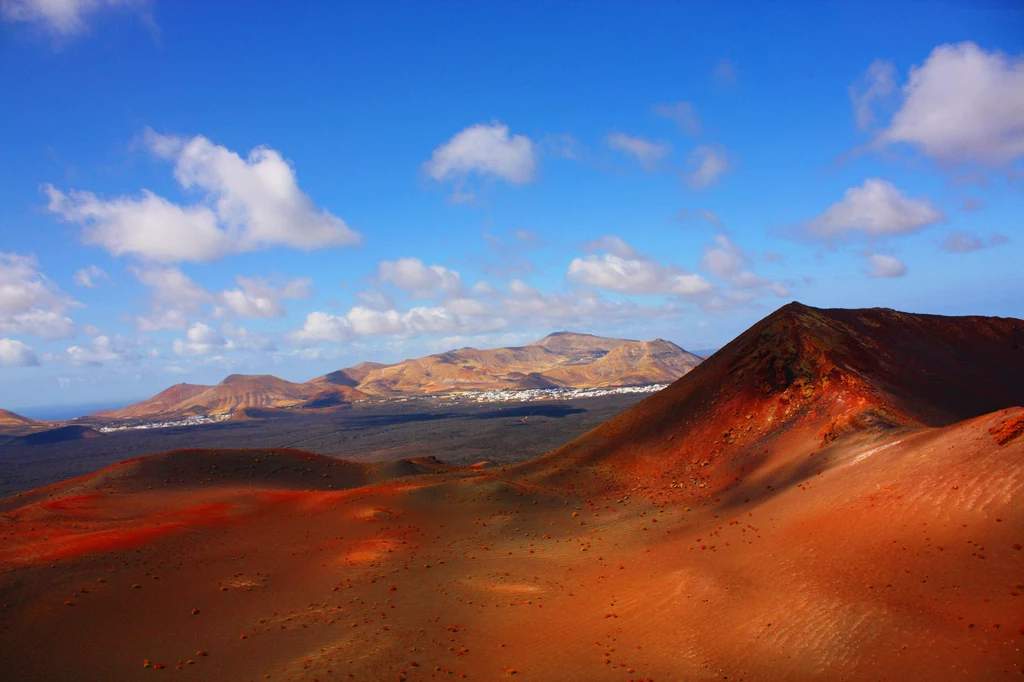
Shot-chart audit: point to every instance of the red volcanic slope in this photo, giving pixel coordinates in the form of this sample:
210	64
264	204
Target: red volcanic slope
801	507
794	382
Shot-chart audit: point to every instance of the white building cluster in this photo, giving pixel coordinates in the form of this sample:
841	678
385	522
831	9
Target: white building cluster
189	421
532	394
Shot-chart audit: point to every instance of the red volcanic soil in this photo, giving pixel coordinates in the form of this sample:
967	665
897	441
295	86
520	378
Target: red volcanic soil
854	526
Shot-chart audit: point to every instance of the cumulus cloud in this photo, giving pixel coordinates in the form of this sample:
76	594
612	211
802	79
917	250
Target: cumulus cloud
62	17
30	303
321	327
729	262
14	352
962	105
174	295
102	349
875	85
487	150
419	280
248	204
882	266
89	277
258	297
707	165
622	269
876	209
200	339
683	113
648	154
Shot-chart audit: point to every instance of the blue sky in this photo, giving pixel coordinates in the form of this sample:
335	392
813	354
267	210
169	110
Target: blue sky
192	189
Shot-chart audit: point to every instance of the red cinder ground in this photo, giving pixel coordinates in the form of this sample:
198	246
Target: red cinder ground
845	530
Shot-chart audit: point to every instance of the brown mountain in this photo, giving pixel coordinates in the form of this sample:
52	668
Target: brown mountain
811	374
162	403
563	359
15	424
350	376
239	391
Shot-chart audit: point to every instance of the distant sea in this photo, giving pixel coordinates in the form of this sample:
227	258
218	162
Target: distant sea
51	413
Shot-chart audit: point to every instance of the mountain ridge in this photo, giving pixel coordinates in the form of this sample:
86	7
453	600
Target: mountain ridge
559	360
821	373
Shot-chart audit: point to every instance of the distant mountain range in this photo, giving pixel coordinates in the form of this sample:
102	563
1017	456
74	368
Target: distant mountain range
561	360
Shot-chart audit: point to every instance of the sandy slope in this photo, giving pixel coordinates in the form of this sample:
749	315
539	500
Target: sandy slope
856	535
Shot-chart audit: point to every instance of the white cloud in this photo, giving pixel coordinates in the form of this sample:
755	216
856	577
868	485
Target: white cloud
648	154
92	330
708	164
248	204
14	352
61	17
876	209
882	266
727	261
466	306
730	263
200	339
321	327
411	275
102	349
88	277
148	226
485	149
174	294
257	297
624	270
162	318
176	297
874	85
683	114
30	303
963	105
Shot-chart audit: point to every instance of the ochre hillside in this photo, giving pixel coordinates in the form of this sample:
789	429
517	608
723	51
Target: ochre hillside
563	360
162	403
15	424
